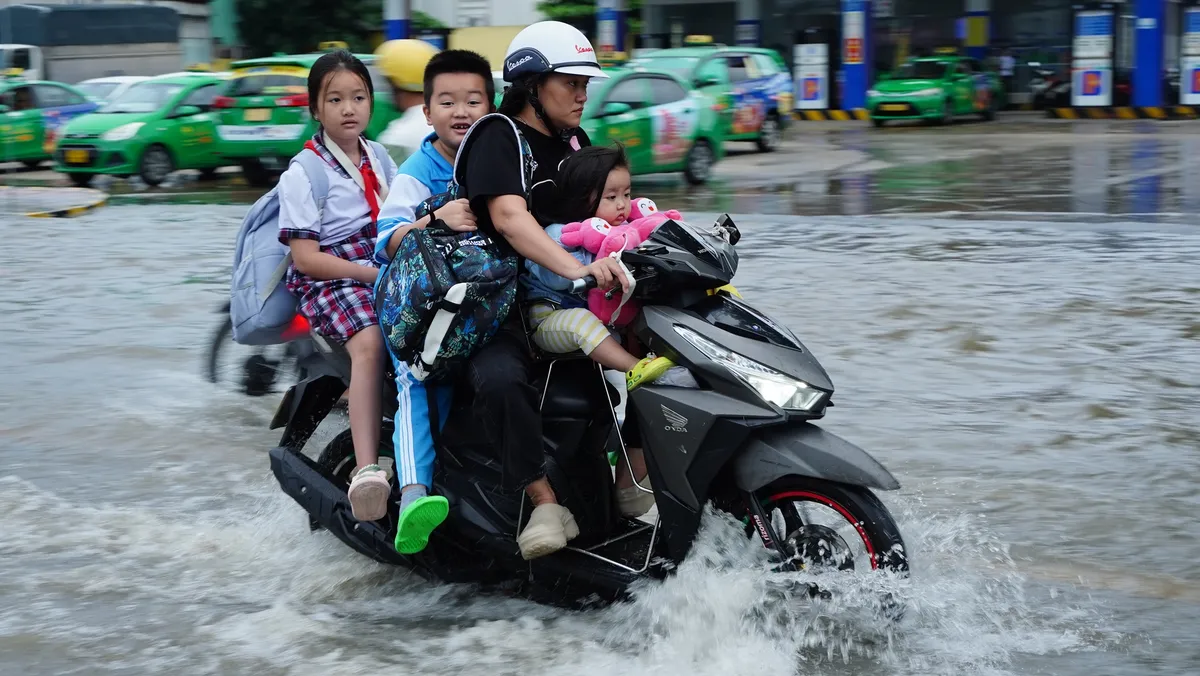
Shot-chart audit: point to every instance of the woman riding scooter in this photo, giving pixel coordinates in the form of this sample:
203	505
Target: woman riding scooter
548	65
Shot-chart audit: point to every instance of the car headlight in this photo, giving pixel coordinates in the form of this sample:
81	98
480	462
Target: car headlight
777	388
123	132
932	91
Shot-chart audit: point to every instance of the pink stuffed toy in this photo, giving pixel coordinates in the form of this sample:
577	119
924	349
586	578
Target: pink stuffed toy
600	238
645	216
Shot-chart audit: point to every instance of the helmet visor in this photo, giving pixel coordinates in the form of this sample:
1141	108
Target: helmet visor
589	69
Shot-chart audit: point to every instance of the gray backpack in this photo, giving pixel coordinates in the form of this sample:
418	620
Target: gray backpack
260	305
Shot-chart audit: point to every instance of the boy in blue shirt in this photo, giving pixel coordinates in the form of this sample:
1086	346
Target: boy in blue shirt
458	91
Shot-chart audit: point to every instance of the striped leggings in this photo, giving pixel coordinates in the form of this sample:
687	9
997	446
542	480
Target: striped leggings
562	331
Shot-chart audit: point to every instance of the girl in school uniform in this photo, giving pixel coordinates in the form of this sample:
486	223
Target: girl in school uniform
333	270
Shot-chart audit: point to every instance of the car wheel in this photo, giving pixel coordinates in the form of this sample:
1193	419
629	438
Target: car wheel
947	113
989	113
31	164
156	165
208	174
256	174
698	165
877	122
770	134
81	180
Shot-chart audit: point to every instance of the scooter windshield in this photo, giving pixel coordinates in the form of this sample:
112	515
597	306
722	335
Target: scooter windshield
682	236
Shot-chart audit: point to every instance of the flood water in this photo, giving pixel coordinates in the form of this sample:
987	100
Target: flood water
1032	384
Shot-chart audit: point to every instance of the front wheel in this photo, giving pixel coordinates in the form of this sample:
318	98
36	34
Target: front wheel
822	524
771	134
156	165
699	163
81	180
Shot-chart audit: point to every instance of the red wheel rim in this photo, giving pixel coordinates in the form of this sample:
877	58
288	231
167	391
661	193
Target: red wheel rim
834	505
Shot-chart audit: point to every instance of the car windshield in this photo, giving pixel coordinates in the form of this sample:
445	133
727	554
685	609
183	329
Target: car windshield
271	84
921	70
679	65
97	90
143	97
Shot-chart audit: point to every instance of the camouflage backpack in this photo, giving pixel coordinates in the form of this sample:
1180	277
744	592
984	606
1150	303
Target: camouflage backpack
445	294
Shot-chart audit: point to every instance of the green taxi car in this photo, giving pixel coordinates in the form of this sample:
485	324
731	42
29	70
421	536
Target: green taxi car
263	117
935	89
663	126
153	128
32	115
751	85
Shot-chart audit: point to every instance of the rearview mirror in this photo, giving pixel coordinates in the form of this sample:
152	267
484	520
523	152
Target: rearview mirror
884	76
4	108
186	111
707	81
615	108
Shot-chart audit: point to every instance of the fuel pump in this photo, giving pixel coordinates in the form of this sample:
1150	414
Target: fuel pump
816	59
1093	47
1189	54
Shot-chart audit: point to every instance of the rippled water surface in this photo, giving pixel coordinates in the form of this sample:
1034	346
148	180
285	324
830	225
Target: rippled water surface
1034	386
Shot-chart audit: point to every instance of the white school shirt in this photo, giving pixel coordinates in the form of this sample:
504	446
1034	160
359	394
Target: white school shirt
346	208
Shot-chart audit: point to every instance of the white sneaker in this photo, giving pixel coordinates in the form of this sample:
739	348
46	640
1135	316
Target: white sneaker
678	376
548	529
368	493
633	502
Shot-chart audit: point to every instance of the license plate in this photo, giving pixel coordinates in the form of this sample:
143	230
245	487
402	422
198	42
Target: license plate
893	106
76	156
257	115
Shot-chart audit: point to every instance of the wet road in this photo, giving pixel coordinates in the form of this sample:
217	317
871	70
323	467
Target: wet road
1029	374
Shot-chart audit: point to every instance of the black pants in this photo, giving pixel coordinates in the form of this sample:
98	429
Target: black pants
506	404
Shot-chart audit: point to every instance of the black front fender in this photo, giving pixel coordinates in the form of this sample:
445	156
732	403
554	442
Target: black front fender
807	450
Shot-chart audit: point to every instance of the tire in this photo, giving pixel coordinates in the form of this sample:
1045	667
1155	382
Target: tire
81	180
860	511
31	164
877	122
990	114
698	164
222	337
770	135
208	174
338	459
338	455
947	114
156	165
256	174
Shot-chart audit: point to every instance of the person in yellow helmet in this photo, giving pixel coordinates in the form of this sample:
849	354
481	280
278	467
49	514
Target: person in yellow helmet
403	63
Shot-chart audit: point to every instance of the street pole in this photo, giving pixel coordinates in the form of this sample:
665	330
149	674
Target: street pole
395	19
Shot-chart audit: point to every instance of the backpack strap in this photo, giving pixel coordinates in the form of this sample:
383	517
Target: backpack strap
386	162
314	168
527	163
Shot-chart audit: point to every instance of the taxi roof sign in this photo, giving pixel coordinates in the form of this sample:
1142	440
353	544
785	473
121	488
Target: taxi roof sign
331	45
14	72
698	40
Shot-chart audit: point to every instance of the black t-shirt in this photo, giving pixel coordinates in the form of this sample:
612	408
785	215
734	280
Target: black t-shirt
493	168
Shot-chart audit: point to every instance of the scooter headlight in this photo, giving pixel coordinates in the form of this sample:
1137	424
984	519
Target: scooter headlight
777	388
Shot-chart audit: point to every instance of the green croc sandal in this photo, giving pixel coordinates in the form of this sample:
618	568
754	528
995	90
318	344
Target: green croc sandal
418	521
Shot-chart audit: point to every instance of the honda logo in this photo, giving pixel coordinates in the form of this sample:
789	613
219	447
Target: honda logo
675	421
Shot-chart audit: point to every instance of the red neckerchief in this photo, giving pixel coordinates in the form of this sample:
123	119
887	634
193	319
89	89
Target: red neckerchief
370	181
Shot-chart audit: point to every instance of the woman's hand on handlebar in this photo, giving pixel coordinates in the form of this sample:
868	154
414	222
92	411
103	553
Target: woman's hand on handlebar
608	273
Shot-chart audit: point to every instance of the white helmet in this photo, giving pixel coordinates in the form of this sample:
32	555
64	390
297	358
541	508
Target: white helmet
550	47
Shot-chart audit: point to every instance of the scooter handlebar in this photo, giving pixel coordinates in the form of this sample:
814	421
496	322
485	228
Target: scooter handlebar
583	284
